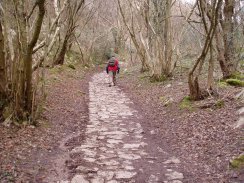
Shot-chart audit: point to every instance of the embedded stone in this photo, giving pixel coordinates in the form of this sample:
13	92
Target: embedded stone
79	179
129	156
113	141
172	160
97	180
108	175
129	167
131	146
90	159
173	175
153	179
112	181
125	175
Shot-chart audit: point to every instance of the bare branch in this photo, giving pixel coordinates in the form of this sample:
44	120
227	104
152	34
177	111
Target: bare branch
32	10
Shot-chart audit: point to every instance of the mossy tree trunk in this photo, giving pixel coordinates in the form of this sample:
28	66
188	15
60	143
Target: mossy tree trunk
28	56
61	55
23	81
2	65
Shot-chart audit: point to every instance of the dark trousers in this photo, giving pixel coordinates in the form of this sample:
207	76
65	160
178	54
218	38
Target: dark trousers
112	77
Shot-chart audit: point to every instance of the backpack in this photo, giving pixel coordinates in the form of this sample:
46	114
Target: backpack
111	62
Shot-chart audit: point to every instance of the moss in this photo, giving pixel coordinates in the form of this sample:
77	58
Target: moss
73	56
235	82
143	77
1	103
219	104
7	111
237	162
56	69
186	103
242	63
71	66
222	84
237	75
155	79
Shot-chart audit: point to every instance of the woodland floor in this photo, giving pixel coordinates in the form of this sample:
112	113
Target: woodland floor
203	139
159	138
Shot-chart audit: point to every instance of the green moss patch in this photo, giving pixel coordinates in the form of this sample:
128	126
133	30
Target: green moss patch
57	69
155	79
219	104
237	162
73	56
222	84
143	77
235	82
186	103
71	66
237	75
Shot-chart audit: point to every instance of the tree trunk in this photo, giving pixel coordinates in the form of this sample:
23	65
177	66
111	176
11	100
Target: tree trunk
22	92
50	38
224	36
195	91
61	55
228	31
2	64
168	39
221	53
19	79
28	56
210	70
71	26
139	46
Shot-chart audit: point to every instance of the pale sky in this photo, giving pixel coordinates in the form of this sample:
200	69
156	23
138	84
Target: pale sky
189	1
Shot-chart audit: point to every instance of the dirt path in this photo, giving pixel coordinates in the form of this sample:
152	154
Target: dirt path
115	147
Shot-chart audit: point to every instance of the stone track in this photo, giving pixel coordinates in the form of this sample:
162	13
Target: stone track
115	149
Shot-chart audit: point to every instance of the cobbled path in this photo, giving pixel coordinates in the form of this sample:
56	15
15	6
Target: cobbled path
115	141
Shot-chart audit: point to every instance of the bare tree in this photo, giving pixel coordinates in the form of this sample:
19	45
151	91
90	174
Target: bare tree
193	81
51	36
20	71
73	13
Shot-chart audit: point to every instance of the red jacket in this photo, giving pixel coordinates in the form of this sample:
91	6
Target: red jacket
113	68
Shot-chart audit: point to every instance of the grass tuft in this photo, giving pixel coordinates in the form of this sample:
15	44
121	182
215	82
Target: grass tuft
237	162
186	103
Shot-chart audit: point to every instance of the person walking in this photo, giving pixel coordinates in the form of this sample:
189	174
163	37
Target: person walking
112	69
